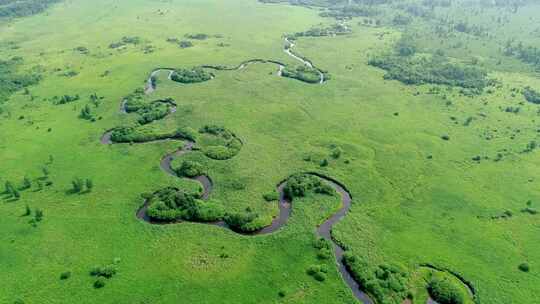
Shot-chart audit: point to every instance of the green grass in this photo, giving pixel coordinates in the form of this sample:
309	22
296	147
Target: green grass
407	209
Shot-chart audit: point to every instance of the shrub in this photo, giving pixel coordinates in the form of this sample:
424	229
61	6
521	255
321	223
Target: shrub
152	112
229	147
243	222
197	36
99	283
524	267
89	185
529	210
38	215
65	275
271	196
107	271
531	95
302	73
336	152
444	291
385	282
318	272
190	169
77	185
414	71
132	134
27	211
65	99
299	185
194	75
170	204
26	184
86	113
185	44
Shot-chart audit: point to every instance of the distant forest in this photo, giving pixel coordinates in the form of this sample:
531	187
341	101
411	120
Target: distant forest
21	8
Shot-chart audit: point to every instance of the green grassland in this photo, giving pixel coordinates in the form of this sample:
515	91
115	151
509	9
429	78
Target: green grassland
417	198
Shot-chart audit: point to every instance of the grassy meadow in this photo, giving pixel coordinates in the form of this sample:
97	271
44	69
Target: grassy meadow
417	198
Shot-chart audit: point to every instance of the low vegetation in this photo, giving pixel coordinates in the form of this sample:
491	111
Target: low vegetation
299	185
531	95
139	135
445	291
194	75
431	70
11	80
386	283
224	144
21	8
302	73
170	204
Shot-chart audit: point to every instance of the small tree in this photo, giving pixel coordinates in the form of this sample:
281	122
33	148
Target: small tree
38	215
45	171
26	183
77	184
8	188
324	163
86	113
89	185
27	211
15	193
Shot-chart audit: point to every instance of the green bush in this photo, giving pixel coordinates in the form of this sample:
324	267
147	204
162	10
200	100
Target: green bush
303	73
190	169
244	221
434	70
318	272
531	95
107	271
99	283
444	291
387	283
185	44
194	75
65	275
228	147
133	134
21	8
170	204
271	196
197	36
299	185
524	267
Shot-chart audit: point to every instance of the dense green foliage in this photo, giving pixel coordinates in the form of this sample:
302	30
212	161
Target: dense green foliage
170	204
387	283
135	134
303	73
335	29
226	145
134	40
444	291
245	222
190	169
434	70
12	81
416	197
191	75
527	54
21	8
531	95
299	185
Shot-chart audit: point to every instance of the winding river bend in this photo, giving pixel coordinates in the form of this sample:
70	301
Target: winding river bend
150	85
285	206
